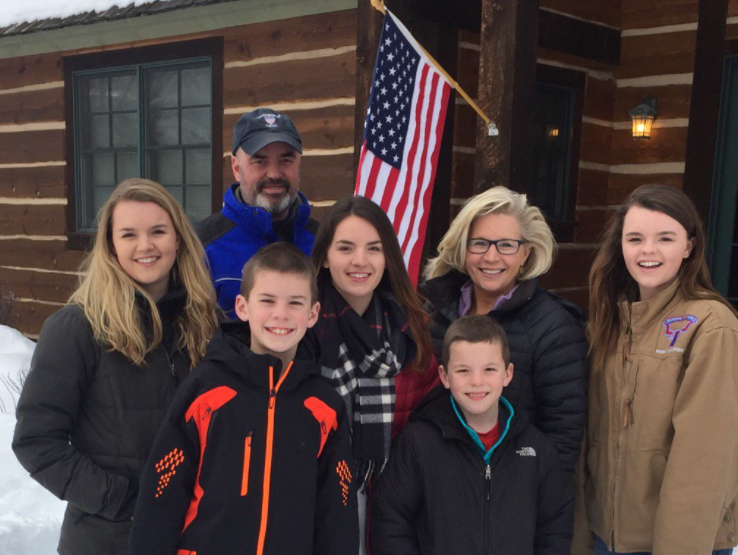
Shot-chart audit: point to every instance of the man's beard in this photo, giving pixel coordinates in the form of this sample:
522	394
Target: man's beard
270	205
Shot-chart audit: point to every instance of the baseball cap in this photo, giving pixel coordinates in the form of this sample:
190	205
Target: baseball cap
264	126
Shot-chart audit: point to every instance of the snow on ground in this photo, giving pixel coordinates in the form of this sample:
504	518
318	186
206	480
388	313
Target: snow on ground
18	11
30	517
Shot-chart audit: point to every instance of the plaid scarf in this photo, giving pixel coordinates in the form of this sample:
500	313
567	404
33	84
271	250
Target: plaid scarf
361	355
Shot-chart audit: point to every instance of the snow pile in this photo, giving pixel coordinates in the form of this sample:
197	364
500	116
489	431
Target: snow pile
30	517
19	11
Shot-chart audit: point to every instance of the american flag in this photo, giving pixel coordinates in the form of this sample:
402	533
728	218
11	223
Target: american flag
402	137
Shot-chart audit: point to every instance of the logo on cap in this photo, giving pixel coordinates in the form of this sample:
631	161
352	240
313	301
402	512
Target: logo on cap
269	119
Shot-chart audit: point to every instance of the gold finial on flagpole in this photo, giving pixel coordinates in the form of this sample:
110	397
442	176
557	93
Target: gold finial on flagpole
379	5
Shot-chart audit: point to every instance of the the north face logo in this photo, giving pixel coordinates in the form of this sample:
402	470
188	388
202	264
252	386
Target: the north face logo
526	452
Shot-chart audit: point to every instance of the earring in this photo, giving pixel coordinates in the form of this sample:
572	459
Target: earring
521	271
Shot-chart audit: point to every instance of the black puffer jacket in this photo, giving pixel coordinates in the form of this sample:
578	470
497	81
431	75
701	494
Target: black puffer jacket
547	347
87	418
436	495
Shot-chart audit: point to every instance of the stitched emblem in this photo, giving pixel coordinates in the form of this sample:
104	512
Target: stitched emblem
325	416
676	326
344	475
167	467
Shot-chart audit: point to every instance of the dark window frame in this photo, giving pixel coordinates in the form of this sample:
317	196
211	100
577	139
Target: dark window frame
576	80
177	51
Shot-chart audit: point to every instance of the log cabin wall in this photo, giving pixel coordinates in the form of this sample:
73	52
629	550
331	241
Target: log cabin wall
303	66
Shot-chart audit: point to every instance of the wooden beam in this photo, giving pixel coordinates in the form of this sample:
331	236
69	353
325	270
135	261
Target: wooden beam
562	33
368	30
507	75
705	105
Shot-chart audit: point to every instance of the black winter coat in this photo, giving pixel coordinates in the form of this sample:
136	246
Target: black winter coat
437	496
548	348
87	418
248	464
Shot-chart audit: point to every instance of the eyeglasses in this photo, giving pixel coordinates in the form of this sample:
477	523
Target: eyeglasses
477	245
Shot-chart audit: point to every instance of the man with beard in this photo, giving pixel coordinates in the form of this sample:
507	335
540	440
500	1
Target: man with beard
263	207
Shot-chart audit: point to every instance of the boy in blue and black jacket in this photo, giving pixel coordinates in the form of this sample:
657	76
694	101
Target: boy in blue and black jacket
470	474
254	455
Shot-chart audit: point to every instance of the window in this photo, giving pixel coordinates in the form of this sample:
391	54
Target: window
556	136
145	113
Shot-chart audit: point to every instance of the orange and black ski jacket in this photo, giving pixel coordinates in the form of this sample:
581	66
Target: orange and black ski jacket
251	458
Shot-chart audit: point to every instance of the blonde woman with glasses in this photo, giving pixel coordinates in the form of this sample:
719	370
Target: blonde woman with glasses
488	263
107	364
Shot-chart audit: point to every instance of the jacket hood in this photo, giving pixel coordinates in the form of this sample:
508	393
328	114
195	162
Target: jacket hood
229	348
438	409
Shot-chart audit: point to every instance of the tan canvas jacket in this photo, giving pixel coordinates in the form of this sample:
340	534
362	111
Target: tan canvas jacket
661	467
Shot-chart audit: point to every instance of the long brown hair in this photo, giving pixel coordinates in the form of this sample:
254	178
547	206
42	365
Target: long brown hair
395	277
106	293
609	279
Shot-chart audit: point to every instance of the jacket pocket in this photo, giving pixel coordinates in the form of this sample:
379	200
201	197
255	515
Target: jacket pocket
246	464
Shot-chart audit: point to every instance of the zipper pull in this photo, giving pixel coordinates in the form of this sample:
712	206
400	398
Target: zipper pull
488	472
272	397
487	481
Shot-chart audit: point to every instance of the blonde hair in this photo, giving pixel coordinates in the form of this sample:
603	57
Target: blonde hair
107	294
497	200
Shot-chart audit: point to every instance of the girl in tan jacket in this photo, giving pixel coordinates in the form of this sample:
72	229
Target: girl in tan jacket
659	469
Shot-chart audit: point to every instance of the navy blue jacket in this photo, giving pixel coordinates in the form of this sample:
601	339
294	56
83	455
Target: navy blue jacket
440	495
548	348
234	234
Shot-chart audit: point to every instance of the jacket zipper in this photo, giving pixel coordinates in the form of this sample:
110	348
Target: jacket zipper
246	464
171	365
268	455
486	511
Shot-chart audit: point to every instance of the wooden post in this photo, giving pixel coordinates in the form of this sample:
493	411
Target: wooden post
368	30
507	76
704	106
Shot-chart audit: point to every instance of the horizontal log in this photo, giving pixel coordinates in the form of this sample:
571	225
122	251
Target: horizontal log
592	187
579	297
570	269
46	286
29	317
599	12
38	182
576	62
32	146
661	54
462	177
665	145
465	126
468	71
572	35
324	128
274	38
621	185
290	81
47	255
672	101
30	70
733	8
29	219
637	14
590	224
599	96
596	143
32	106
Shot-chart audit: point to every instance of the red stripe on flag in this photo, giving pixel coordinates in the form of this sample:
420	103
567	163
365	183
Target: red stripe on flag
362	154
373	173
412	153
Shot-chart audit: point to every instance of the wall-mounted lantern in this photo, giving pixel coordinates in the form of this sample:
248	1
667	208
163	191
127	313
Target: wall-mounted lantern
642	117
552	132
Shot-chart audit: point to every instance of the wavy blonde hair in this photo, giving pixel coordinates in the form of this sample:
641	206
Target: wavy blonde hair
497	200
107	294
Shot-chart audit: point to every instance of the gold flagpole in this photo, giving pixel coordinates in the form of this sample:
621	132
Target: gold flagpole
491	127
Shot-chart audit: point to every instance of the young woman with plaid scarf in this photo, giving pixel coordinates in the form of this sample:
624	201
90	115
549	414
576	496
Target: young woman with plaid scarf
373	332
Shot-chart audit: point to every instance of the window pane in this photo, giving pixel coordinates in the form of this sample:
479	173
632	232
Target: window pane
198	171
103	171
124	92
196	86
99	196
164	128
165	166
177	193
99	136
125	130
97	95
195	126
127	165
198	202
162	89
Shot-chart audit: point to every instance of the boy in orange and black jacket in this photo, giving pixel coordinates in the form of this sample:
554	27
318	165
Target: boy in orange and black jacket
254	455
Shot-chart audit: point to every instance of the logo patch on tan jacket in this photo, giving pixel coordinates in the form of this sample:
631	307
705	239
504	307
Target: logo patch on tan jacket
674	328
